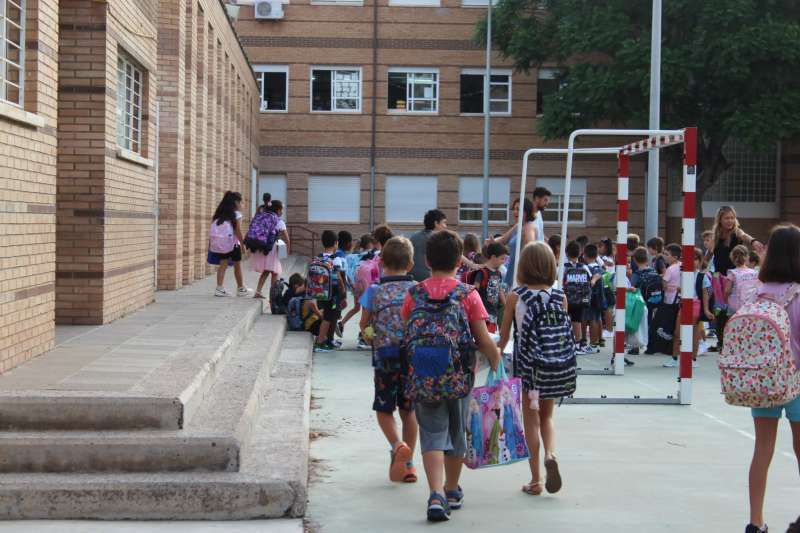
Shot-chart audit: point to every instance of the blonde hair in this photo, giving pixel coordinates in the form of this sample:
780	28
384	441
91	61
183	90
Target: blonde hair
537	265
739	255
471	243
717	229
398	253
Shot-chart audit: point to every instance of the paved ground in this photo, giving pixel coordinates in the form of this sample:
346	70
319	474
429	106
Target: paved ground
76	526
643	469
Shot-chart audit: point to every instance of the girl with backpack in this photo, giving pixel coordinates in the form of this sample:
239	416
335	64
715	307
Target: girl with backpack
780	275
270	262
224	242
548	370
743	280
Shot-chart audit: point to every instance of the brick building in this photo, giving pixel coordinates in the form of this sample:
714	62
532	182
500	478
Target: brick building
348	82
121	125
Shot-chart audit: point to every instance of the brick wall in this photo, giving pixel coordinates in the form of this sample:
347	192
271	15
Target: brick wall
28	196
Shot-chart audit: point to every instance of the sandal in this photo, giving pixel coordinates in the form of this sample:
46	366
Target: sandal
411	475
258	295
401	455
533	489
553	483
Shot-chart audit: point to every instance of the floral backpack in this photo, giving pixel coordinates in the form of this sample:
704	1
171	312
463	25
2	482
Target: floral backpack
368	273
439	346
757	367
263	232
221	237
319	278
387	321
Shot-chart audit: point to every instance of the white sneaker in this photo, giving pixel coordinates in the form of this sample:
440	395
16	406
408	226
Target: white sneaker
590	350
221	292
608	334
362	345
702	348
671	363
242	291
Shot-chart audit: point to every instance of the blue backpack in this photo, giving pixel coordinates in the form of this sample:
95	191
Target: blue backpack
294	314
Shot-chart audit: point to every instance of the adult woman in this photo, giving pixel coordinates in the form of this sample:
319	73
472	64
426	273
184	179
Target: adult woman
509	238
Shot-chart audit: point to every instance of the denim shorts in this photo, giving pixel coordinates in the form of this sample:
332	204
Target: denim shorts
442	425
792	411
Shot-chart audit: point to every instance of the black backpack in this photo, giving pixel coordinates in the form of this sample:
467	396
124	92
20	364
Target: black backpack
278	300
577	284
652	286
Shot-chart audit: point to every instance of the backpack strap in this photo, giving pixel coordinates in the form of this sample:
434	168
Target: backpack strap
390	279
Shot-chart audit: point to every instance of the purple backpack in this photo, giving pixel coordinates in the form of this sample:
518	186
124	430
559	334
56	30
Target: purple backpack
263	232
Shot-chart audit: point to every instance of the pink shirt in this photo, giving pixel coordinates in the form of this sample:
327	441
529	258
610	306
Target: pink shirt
779	289
438	288
672	277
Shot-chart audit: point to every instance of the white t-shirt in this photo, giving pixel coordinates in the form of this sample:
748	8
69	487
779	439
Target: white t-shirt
538	221
281	226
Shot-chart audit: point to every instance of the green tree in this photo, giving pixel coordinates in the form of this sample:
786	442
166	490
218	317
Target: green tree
729	67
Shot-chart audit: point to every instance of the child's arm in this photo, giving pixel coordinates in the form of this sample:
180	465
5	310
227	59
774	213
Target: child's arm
729	286
366	319
484	342
237	229
508	320
312	304
503	297
706	300
284	235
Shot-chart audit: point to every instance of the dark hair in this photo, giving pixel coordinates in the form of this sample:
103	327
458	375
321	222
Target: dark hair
382	234
794	527
782	262
554	241
590	251
656	243
432	217
541	192
633	241
367	240
640	255
226	210
328	238
496	249
674	250
698	256
527	209
295	280
266	198
345	239
583	240
444	250
754	258
275	206
607	246
573	250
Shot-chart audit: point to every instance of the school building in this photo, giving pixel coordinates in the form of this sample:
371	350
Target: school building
122	122
372	112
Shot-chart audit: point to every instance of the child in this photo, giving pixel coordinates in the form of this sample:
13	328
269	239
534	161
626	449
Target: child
632	244
708	247
650	285
594	312
302	311
382	304
270	263
367	245
578	283
655	247
780	275
488	282
753	260
540	310
743	280
701	311
672	286
554	241
225	242
606	257
331	305
441	421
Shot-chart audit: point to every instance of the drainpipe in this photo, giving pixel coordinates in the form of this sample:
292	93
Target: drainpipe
155	197
374	114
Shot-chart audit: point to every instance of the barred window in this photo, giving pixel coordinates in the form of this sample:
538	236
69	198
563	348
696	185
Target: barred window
130	80
12	35
576	213
413	91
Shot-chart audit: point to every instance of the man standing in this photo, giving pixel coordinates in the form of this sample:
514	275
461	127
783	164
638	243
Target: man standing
541	199
434	221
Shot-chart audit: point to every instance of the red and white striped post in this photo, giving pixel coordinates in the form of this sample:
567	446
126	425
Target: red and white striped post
687	270
621	262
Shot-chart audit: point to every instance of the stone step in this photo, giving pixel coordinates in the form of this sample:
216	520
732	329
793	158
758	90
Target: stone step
271	483
211	442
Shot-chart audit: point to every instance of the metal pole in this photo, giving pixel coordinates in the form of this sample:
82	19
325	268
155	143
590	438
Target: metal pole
652	185
156	203
487	123
373	128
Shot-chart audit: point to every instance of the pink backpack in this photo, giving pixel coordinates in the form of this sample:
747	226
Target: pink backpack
221	238
367	274
745	286
757	367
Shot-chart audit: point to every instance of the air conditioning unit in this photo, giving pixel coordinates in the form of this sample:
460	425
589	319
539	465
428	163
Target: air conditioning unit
269	9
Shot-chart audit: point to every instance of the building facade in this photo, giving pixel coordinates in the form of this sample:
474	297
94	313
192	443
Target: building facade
121	125
372	113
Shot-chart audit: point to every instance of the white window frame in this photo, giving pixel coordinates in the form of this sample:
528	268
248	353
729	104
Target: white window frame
129	103
477	3
334	69
400	210
410	88
279	192
350	185
5	63
578	190
495	183
415	3
260	70
495	72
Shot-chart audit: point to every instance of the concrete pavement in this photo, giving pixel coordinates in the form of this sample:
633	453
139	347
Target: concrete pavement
85	526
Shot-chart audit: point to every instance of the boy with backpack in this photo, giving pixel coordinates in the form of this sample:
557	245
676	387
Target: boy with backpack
302	312
578	283
655	248
650	285
382	324
488	281
445	321
326	284
597	302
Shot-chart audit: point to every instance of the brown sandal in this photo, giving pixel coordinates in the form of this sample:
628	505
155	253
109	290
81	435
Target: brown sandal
533	489
553	483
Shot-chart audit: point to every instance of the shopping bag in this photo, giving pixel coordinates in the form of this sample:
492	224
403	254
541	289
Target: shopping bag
495	434
662	329
718	285
635	308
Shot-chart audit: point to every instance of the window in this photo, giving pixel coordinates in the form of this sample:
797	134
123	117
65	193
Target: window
414	91
548	84
472	91
12	37
577	200
336	89
408	198
470	200
334	199
130	80
276	186
477	3
273	84
428	3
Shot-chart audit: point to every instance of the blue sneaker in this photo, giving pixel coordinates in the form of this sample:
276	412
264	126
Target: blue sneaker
322	348
438	509
455	498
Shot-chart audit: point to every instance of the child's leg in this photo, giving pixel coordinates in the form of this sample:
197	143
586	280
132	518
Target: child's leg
261	280
433	461
676	338
576	332
237	273
410	429
595	331
766	433
388	426
530	418
546	408
322	338
452	468
608	319
698	334
223	265
353	312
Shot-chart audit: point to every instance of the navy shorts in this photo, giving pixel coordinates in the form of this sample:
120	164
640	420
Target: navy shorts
390	390
577	312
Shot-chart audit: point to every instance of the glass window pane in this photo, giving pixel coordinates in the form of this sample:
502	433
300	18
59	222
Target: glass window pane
499	92
346	104
321	90
274	92
424	105
498	107
499	78
545	88
397	91
471	93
